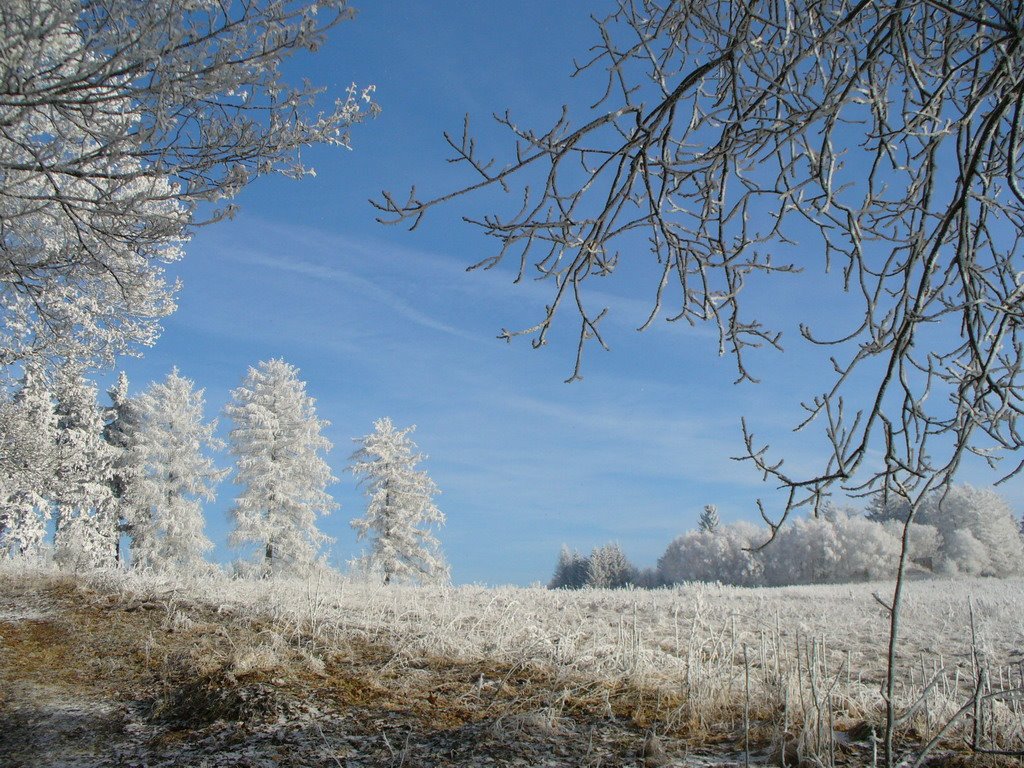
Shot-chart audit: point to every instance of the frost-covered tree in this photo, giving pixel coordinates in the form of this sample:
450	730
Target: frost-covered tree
28	423
977	532
709	521
571	570
277	441
609	568
87	532
400	508
967	531
724	556
922	542
833	548
28	428
173	476
118	121
121	423
883	508
24	515
885	135
961	529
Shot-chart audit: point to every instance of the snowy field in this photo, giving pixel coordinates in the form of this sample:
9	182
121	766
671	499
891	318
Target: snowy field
806	662
815	653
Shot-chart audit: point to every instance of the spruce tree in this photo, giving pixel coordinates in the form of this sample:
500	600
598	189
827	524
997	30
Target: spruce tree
172	476
571	571
709	522
279	447
87	533
883	507
609	568
400	507
121	422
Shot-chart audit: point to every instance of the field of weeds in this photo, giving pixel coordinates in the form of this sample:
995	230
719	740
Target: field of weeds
115	669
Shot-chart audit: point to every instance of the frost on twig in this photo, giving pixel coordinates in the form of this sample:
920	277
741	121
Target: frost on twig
885	136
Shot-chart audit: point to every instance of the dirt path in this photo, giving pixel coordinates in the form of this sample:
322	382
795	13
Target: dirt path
94	680
58	683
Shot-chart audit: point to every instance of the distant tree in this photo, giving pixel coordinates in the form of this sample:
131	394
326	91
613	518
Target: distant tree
884	507
708	519
960	529
725	555
28	429
172	476
834	548
400	508
279	447
120	121
922	542
609	568
571	571
87	533
977	532
648	578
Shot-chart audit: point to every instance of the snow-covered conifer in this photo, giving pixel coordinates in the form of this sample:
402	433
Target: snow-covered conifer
87	533
609	568
400	507
121	422
883	508
279	447
708	519
29	423
24	515
172	475
570	571
28	426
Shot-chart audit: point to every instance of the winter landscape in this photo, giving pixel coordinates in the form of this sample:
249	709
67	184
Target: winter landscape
739	482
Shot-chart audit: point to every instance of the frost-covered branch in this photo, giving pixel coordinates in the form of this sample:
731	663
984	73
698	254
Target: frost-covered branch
123	125
883	137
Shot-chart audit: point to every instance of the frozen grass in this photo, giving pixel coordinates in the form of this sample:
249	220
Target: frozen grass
799	668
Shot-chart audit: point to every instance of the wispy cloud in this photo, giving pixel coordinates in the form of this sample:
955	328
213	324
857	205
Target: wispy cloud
366	289
495	285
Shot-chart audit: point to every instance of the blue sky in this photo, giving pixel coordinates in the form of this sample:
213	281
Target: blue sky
384	322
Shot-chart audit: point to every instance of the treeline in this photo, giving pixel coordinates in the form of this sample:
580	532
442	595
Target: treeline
125	484
962	531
